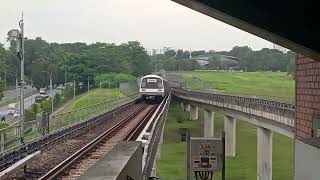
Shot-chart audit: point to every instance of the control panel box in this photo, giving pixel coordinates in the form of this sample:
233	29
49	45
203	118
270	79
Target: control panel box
206	154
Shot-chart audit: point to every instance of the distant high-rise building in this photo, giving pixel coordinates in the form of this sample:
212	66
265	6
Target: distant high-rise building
154	52
166	49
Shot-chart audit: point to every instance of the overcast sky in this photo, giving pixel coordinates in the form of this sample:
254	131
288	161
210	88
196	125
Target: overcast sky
155	23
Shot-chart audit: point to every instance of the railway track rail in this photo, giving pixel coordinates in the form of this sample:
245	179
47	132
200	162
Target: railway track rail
8	158
129	128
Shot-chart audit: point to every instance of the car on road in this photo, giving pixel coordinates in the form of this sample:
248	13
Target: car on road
42	91
16	114
11	109
40	98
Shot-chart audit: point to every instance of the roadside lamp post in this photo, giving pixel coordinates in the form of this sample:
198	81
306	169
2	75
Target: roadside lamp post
18	37
88	84
74	87
65	74
31	91
51	94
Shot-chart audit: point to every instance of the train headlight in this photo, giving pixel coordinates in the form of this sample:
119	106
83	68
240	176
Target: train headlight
160	90
143	90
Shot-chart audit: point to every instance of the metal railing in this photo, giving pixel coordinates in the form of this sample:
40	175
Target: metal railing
201	86
155	130
275	110
9	136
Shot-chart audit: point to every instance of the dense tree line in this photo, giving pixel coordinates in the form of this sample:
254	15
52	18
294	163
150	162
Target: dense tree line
77	60
239	58
80	60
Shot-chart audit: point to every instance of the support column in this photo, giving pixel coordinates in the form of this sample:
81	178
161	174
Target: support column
193	112
2	140
187	108
230	135
182	105
208	123
264	153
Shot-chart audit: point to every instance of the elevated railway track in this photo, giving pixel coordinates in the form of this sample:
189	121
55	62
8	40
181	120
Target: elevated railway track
68	156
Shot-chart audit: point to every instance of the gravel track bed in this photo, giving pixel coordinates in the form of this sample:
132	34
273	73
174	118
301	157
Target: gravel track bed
54	154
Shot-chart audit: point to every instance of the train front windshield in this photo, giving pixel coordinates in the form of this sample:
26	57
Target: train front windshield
151	83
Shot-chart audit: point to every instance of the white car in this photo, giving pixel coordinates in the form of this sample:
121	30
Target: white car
16	114
11	109
42	92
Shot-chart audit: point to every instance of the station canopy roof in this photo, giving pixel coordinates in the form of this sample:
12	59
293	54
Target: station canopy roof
288	23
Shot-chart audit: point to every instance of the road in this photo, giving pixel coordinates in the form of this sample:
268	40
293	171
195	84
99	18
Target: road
27	104
12	94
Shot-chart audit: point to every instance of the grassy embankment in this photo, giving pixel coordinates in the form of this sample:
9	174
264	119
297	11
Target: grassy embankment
95	96
271	85
172	165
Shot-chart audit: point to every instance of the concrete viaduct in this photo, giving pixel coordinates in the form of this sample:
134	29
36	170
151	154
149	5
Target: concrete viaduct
268	116
290	24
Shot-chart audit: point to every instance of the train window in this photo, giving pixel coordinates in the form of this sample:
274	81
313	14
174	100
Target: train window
151	83
143	83
151	80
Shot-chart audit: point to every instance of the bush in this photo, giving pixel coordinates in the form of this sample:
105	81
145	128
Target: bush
3	125
58	99
67	92
45	105
29	115
112	80
179	117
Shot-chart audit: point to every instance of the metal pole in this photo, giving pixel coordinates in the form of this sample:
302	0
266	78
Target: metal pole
223	156
31	91
51	92
188	155
22	85
88	85
65	77
2	140
5	77
74	87
17	94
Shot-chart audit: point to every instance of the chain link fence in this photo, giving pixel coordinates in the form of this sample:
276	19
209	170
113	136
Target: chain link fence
9	136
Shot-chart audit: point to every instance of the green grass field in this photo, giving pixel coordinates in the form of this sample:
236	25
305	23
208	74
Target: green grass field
269	85
274	85
95	96
172	165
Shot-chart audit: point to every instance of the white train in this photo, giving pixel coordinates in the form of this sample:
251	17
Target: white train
152	87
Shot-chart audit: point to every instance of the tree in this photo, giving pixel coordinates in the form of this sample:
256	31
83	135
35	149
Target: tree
3	68
291	67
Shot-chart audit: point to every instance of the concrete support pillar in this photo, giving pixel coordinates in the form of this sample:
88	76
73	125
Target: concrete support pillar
182	105
193	112
187	108
34	126
208	123
17	130
230	135
2	140
264	153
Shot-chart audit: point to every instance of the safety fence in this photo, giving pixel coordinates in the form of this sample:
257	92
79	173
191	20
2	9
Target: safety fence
278	111
9	136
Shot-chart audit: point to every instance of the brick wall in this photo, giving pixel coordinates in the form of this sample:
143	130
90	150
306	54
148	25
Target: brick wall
307	95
